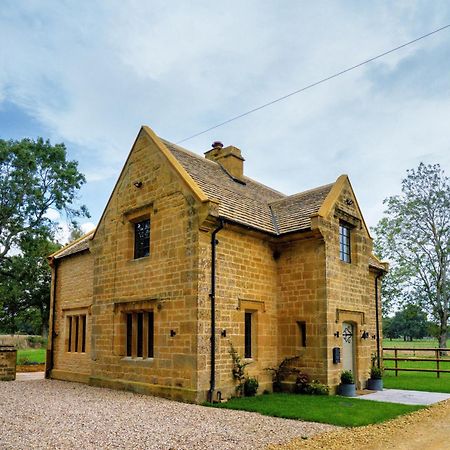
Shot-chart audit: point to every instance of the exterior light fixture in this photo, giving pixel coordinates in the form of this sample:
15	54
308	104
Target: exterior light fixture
365	335
137	184
336	334
173	333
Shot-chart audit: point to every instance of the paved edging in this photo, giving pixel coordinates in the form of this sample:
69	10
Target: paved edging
406	397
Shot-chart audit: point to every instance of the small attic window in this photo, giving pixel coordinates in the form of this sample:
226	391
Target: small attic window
345	242
142	239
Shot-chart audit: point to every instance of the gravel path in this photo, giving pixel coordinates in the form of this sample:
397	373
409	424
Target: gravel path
55	414
427	429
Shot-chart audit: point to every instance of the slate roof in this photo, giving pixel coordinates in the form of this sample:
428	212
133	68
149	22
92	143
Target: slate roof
377	264
251	204
76	246
294	213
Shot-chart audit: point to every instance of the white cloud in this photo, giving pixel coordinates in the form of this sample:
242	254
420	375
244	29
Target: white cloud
87	226
92	73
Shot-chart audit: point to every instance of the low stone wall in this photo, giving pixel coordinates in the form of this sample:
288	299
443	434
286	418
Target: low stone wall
8	357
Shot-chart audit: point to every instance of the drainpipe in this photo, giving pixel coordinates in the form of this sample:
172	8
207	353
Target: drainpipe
377	320
52	334
212	295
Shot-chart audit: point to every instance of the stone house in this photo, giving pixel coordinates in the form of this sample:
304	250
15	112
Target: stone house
191	256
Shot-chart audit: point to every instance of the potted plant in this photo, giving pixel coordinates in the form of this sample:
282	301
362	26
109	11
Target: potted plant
375	382
347	386
250	386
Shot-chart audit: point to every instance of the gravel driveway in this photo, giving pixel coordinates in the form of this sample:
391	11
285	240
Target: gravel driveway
56	414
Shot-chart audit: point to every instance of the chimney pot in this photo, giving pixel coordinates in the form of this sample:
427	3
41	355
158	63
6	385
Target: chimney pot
230	158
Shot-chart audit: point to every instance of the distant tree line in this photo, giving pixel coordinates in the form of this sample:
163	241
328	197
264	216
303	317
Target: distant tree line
409	323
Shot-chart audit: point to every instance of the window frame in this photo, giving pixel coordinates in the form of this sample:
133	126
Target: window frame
139	334
248	334
76	333
301	326
345	242
141	249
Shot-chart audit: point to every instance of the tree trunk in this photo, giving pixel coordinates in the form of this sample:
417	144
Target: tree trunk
442	337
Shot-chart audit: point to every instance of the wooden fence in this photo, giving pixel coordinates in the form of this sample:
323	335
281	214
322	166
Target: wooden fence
438	359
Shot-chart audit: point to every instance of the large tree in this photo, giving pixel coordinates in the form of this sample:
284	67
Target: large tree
25	288
414	236
35	177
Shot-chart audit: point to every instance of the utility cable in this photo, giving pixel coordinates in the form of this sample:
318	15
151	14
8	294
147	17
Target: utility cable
309	86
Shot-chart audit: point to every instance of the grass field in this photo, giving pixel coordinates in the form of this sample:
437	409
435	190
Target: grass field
421	343
31	356
420	381
334	410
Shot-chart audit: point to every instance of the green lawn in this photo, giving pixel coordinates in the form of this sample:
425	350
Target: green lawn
31	355
421	343
334	410
420	381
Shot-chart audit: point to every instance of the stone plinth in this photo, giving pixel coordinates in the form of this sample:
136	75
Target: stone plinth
8	355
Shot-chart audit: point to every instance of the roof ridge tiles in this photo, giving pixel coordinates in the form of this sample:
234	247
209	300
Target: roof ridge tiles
299	194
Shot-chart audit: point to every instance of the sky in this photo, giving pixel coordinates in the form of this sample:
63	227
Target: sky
89	74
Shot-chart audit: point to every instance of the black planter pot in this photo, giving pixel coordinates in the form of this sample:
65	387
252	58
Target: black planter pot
347	390
375	384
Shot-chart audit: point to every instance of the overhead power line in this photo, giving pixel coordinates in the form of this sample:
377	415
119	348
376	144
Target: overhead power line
309	86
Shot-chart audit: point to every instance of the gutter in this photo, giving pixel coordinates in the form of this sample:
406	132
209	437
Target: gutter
377	320
212	295
52	334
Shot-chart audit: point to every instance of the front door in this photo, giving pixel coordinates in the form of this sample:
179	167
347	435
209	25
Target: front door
348	347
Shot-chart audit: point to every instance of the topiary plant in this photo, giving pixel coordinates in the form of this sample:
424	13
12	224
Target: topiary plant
347	377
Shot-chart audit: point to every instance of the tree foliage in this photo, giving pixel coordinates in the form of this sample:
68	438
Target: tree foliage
414	236
35	177
409	323
25	288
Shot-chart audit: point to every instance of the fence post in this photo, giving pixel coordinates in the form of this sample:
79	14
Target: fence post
396	362
437	363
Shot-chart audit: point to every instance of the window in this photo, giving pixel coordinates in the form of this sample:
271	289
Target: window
302	330
140	334
76	326
142	239
344	243
248	335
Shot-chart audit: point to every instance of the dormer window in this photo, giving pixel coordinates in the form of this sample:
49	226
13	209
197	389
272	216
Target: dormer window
345	242
142	239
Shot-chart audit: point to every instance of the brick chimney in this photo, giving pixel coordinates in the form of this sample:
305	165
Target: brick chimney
229	158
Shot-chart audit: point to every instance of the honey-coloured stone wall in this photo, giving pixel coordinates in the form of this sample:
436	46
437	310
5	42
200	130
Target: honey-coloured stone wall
246	281
8	356
350	288
165	282
295	286
73	297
